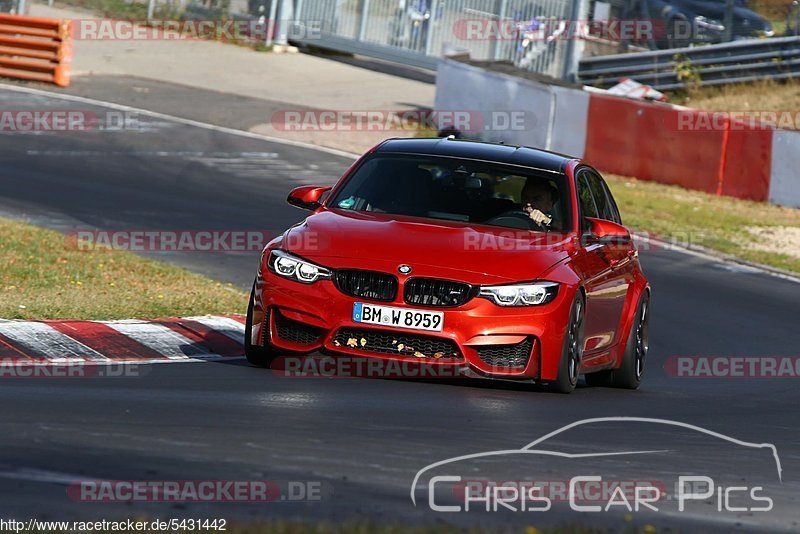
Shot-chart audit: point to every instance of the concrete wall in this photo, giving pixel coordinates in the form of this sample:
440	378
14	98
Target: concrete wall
784	186
494	96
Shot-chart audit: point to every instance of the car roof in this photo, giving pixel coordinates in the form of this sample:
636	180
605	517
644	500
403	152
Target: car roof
460	148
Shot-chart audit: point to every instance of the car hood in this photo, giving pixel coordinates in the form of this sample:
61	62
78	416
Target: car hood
472	253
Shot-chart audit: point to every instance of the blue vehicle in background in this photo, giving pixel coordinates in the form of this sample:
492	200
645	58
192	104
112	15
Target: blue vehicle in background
681	23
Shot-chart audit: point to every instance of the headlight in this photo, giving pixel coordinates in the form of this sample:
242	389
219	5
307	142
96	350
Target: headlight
530	294
290	266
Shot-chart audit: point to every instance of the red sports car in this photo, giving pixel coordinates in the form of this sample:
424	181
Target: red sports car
508	260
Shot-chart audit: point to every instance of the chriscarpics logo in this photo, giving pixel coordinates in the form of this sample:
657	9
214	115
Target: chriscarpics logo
606	465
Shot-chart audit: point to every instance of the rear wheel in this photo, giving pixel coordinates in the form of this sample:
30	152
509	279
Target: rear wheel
572	352
629	374
256	354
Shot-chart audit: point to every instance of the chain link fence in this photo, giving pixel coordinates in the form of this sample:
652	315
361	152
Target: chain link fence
529	34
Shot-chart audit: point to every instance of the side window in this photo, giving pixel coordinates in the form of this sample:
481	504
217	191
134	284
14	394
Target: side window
600	190
612	204
587	205
599	195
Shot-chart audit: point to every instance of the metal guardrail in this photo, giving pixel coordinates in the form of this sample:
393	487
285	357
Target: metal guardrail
736	62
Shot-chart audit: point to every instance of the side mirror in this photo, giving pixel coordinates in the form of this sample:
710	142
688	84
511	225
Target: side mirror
307	197
607	232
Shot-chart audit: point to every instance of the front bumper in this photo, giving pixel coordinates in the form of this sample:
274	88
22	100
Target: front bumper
503	342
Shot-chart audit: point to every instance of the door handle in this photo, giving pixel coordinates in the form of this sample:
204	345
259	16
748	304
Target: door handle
628	256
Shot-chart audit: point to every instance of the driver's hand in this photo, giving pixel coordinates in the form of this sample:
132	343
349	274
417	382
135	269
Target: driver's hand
537	216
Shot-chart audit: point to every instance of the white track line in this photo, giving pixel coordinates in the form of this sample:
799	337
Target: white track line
162	339
181	120
32	474
43	340
718	258
108	363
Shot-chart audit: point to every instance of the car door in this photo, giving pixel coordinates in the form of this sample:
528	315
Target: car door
621	253
606	277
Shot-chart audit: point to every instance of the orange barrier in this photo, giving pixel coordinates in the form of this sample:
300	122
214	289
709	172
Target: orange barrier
676	146
34	48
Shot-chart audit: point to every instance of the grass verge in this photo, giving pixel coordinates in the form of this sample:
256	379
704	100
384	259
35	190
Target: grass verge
764	95
42	277
754	231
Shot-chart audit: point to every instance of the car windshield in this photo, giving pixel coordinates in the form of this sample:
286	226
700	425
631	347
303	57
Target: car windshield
456	189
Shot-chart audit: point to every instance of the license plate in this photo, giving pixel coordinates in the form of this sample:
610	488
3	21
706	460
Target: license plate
398	317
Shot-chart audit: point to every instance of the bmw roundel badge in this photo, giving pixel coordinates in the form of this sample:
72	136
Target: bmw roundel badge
404	269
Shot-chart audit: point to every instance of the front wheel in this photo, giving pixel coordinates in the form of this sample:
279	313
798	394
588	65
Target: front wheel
572	352
255	354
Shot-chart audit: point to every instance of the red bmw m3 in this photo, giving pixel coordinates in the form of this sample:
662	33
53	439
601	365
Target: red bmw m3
509	261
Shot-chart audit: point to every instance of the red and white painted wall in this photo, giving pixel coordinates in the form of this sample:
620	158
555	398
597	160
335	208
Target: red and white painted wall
127	341
717	153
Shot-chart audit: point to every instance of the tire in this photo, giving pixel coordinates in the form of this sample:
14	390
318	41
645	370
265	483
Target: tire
572	352
255	354
629	373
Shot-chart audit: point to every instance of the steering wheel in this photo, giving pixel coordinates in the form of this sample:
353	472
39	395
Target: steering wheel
515	219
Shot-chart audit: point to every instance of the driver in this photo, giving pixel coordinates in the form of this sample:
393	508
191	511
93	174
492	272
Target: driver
538	200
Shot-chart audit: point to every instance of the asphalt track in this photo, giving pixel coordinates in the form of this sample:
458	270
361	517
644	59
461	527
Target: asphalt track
363	439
